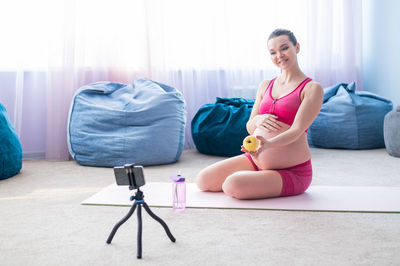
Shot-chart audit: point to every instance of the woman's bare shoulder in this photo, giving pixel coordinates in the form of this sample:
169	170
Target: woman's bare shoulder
313	86
313	89
262	87
314	83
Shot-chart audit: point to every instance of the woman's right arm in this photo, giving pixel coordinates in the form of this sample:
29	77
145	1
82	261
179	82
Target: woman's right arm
251	125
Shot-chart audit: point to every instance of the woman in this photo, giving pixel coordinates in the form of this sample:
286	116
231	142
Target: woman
284	109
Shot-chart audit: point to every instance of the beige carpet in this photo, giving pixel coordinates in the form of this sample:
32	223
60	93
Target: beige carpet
43	223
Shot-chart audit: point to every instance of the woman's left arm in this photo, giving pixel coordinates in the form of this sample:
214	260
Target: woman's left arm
308	111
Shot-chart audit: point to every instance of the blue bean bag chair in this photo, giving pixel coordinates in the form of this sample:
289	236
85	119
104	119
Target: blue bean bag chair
10	147
219	128
112	124
349	119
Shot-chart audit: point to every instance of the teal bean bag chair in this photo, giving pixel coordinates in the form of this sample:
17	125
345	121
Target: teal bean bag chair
219	128
349	119
112	124
10	147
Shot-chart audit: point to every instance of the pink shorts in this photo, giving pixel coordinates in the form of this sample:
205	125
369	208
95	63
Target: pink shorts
295	179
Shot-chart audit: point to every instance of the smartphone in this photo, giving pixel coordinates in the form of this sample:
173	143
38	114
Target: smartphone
129	175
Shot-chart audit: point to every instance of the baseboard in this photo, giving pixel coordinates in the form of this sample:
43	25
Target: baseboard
29	156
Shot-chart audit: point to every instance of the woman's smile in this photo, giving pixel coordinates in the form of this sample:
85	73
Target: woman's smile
283	61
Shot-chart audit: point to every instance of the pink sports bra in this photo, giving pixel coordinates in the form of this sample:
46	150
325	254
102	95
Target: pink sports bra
285	107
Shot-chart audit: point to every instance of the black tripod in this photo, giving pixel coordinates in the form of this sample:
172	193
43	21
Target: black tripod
139	202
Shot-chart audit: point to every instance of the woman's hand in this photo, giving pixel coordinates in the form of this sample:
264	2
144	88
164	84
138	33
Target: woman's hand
263	143
268	122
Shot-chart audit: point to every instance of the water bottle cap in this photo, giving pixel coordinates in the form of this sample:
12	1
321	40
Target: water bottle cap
177	178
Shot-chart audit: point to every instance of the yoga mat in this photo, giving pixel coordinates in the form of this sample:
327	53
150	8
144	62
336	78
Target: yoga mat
316	198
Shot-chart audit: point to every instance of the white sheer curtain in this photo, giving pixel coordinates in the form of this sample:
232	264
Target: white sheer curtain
205	49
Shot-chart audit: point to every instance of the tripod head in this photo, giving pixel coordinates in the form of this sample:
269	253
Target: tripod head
138	196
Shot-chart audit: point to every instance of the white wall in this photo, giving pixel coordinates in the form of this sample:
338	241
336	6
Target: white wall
381	48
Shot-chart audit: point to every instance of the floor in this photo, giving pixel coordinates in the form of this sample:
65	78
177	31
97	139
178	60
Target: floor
43	223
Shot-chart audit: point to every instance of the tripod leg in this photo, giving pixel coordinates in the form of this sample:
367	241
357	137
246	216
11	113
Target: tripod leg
158	219
123	220
139	233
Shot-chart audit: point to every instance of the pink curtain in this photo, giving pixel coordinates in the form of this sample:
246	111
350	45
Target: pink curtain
206	49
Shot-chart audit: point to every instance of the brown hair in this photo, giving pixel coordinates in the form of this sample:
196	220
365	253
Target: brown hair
280	32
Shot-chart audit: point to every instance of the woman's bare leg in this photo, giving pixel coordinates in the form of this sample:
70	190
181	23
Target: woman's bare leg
212	177
253	184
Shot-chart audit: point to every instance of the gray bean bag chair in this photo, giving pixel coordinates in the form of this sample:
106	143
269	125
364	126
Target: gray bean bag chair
349	119
113	124
391	132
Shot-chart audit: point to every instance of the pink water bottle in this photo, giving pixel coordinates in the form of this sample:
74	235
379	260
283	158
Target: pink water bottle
178	192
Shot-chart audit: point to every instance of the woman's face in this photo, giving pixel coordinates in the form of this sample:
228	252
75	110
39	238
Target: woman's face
283	52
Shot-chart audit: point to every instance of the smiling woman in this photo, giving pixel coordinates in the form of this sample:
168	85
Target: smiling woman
203	48
281	165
